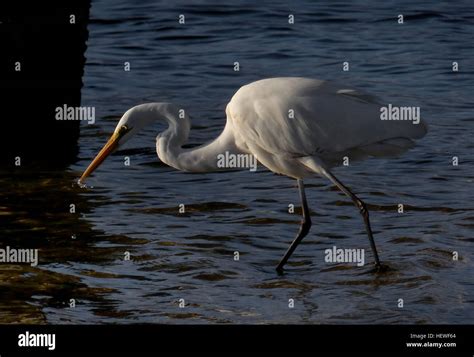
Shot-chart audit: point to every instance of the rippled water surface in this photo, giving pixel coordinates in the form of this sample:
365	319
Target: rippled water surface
190	256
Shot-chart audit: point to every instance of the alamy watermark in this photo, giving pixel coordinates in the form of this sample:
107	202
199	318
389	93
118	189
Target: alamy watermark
28	339
10	255
390	112
234	161
339	255
75	113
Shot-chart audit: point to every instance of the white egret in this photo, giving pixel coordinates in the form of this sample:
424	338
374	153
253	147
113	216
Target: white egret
296	127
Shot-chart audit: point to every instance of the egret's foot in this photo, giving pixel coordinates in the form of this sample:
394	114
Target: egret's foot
280	270
380	268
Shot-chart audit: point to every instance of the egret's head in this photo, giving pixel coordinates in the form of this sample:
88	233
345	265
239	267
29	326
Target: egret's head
131	123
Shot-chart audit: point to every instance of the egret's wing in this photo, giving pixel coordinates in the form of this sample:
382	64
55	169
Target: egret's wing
301	117
361	96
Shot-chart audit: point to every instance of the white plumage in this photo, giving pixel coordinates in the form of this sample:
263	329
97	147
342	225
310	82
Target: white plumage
330	122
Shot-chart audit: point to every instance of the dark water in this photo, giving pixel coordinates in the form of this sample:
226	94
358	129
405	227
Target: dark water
191	256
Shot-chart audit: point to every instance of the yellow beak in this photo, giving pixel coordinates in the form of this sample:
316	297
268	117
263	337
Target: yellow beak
102	155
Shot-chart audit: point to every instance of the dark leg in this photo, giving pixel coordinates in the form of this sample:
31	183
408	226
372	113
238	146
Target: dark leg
363	211
304	228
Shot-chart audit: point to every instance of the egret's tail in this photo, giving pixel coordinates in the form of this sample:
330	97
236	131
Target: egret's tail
394	146
402	141
385	148
418	130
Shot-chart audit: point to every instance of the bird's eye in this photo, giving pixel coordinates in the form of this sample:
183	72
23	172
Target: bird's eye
124	129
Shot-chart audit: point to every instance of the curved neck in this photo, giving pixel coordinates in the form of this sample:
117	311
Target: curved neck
204	158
